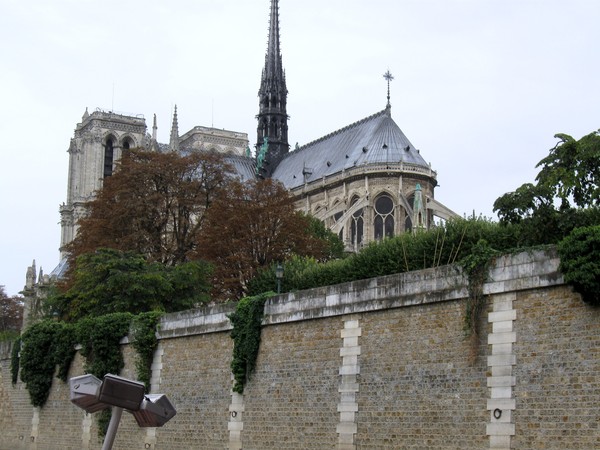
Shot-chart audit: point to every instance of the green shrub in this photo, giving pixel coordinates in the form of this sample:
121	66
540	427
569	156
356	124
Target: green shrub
447	244
580	262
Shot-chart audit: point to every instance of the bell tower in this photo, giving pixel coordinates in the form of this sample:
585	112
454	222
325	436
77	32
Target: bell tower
98	143
272	131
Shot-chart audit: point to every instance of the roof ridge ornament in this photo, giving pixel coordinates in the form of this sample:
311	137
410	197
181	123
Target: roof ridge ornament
389	77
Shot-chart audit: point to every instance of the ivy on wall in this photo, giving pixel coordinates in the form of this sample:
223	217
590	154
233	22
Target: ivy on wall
44	346
144	341
14	361
99	338
476	266
49	344
247	324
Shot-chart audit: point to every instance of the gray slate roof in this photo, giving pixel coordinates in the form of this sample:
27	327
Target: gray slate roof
376	139
243	166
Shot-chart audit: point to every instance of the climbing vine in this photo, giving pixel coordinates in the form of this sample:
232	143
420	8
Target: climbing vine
476	266
144	341
99	338
14	360
247	323
37	362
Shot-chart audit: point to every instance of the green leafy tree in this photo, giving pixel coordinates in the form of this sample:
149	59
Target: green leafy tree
334	245
572	171
109	281
566	194
523	203
570	174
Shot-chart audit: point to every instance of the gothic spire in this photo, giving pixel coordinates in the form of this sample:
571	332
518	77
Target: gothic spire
273	63
272	116
174	141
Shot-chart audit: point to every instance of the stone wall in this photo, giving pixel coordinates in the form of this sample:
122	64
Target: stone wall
380	363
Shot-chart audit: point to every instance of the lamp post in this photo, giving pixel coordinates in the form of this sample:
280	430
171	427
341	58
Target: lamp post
91	394
279	276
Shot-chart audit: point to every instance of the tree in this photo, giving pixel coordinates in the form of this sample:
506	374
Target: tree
572	170
528	199
334	245
11	312
109	281
153	205
570	174
255	225
566	194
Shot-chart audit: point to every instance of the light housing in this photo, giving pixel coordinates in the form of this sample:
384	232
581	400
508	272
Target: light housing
84	393
121	392
155	411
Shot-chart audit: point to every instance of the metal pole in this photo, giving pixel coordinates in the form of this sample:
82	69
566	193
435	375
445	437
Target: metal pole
112	428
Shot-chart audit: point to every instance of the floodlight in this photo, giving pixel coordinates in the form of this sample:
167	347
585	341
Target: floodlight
84	393
91	394
155	411
121	392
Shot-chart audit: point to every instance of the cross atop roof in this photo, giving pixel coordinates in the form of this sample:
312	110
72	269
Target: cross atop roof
389	77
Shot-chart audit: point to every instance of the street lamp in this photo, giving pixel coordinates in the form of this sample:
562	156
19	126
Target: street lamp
279	276
91	395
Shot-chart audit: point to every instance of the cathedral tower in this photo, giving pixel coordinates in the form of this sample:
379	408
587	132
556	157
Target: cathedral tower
97	145
272	131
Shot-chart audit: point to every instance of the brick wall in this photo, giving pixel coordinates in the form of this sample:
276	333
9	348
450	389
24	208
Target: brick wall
380	363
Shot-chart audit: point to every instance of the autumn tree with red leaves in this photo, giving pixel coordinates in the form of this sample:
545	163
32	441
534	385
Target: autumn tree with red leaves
154	205
11	312
255	225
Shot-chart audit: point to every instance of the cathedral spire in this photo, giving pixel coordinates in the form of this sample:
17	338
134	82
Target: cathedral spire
273	63
174	141
272	116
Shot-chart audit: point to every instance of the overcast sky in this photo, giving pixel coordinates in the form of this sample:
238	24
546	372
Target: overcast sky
481	86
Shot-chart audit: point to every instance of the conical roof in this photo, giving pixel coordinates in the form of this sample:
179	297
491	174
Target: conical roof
375	140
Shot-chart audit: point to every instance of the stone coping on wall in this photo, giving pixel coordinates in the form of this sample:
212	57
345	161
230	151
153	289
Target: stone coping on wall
524	270
512	272
210	319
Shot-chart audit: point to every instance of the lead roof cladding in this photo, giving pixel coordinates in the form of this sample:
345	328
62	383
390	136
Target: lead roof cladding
376	139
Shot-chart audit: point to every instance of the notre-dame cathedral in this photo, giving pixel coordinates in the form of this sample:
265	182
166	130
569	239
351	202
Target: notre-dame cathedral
365	181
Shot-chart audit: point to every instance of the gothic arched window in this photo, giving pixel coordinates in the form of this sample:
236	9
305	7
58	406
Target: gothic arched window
357	226
384	217
109	153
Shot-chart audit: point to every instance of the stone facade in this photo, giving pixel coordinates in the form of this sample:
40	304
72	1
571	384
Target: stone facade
379	363
344	198
214	139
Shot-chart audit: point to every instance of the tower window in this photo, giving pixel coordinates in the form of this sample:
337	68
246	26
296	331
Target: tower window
109	152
